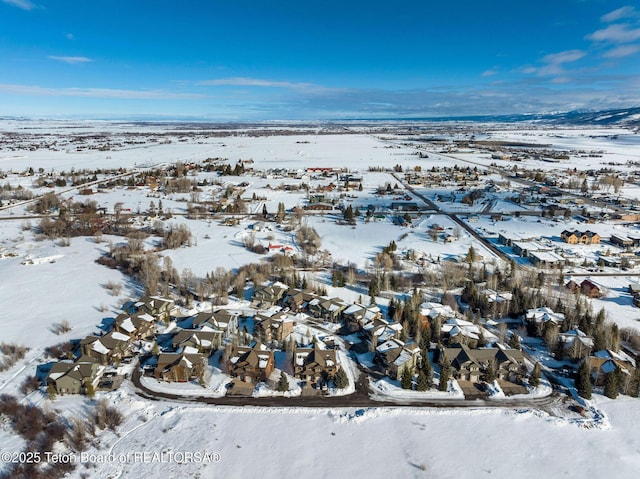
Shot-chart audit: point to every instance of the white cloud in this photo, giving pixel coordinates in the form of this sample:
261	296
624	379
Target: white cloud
622	51
70	36
242	81
554	64
489	73
34	90
260	82
566	56
616	33
619	14
23	4
70	60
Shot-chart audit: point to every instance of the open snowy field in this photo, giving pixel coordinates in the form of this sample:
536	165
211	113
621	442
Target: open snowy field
324	443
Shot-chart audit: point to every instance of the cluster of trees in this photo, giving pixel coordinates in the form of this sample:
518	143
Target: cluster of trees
42	431
424	371
11	353
176	236
18	193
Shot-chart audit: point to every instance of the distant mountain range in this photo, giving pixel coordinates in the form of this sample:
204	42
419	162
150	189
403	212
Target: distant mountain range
620	117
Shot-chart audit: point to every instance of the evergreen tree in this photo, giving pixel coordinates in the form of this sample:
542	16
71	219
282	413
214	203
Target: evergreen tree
633	389
406	379
283	383
514	341
445	372
341	380
348	214
427	369
611	384
491	373
423	382
583	380
264	210
534	379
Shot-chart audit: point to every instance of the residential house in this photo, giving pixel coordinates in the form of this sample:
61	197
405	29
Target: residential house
580	237
315	365
139	325
472	364
543	315
357	315
456	330
275	327
394	357
327	308
204	341
73	377
429	311
383	331
250	364
606	361
576	344
572	286
180	367
221	320
111	347
159	308
298	300
589	288
270	294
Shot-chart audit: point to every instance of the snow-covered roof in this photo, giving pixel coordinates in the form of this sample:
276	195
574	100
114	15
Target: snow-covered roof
98	347
119	336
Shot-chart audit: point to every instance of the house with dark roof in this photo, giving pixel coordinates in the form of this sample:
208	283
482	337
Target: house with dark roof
589	288
472	364
204	341
606	361
316	364
106	349
270	294
140	325
250	364
73	377
277	327
394	357
222	320
180	367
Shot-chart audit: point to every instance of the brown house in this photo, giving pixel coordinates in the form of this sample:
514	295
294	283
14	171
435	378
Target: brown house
268	295
159	308
111	347
472	364
139	325
68	377
394	356
588	288
298	300
277	327
179	367
250	364
580	237
606	361
315	364
204	341
222	320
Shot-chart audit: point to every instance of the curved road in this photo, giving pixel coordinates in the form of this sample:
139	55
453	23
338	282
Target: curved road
360	399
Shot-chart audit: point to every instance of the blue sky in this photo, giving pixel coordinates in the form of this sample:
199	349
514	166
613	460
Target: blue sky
323	59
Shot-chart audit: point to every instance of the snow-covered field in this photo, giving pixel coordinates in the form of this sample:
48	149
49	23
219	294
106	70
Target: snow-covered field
43	283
